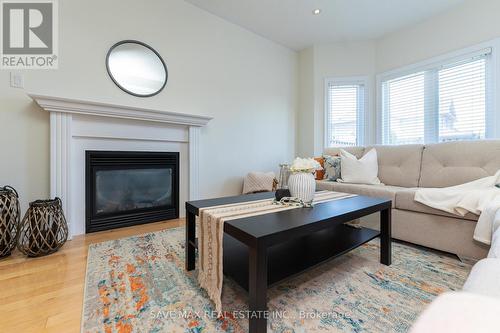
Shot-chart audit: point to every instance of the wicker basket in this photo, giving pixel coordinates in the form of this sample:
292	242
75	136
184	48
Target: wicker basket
43	229
9	219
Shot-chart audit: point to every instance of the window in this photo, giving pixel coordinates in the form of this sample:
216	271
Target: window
462	101
444	102
404	110
345	110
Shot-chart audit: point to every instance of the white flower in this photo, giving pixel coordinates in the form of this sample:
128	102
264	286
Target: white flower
305	165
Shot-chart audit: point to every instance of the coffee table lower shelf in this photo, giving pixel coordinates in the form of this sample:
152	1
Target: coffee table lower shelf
297	255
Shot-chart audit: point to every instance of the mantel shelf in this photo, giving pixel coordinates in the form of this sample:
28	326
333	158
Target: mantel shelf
67	105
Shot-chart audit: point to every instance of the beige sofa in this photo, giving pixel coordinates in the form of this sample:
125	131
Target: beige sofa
402	169
476	307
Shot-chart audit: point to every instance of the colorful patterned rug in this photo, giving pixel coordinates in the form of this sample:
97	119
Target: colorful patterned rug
138	284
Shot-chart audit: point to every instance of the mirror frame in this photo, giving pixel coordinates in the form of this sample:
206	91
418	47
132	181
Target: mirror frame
131	41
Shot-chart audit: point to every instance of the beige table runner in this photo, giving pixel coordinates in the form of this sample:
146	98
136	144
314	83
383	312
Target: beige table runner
211	231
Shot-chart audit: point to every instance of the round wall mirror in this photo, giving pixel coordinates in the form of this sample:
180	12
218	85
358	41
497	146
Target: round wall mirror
136	68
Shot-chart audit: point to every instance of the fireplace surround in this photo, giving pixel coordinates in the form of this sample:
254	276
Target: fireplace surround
80	125
125	188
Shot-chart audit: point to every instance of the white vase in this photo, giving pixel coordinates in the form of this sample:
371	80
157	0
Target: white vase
302	185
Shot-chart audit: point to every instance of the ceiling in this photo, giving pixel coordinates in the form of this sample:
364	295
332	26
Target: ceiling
292	24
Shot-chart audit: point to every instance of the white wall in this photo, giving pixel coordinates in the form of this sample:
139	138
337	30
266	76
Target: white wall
247	83
305	117
339	60
465	25
350	59
468	24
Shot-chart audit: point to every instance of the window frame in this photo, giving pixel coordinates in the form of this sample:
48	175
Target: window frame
361	118
492	123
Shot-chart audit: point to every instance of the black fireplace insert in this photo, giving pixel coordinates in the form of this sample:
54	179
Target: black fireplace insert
130	188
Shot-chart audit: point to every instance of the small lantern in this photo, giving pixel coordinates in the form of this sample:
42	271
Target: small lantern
9	219
43	229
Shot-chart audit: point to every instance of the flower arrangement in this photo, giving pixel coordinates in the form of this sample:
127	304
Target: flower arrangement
309	165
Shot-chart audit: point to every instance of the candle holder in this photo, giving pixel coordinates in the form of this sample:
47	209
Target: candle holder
282	190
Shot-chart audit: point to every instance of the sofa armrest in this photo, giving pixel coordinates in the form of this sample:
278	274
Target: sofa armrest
484	278
495	240
459	312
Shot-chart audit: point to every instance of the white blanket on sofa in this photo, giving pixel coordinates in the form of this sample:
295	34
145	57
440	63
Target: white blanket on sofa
488	223
480	197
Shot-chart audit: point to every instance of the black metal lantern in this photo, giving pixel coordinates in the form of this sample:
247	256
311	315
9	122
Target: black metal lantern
43	229
9	219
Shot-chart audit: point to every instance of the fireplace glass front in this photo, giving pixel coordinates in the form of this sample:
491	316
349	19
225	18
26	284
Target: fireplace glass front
127	188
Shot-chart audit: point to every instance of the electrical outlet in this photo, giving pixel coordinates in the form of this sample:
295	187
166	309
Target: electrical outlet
16	80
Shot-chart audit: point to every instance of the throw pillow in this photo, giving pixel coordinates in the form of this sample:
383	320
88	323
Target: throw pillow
332	167
362	171
320	174
258	182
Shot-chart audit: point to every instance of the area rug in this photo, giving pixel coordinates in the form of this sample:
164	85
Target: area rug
138	284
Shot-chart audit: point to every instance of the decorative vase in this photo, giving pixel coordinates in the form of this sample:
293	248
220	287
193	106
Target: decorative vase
9	219
43	229
302	185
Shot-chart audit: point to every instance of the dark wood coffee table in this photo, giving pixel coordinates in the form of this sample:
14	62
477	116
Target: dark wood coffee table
263	250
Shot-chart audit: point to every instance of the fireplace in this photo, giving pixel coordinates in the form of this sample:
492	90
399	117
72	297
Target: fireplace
129	188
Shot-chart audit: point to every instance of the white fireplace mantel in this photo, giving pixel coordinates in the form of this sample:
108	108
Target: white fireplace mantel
72	119
72	106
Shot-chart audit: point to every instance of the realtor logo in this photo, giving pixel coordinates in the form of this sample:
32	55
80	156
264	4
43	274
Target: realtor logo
29	34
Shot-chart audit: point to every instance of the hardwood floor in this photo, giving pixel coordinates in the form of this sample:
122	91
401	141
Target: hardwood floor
46	294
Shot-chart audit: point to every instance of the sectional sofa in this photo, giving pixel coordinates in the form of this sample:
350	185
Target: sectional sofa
476	307
403	169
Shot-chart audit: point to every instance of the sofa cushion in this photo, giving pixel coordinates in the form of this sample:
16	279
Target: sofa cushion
404	200
399	165
483	278
381	191
454	163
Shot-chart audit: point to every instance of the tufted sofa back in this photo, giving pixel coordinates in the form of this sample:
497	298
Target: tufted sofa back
356	151
399	165
454	163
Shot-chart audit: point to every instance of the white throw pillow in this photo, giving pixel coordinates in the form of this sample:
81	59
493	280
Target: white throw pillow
362	171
